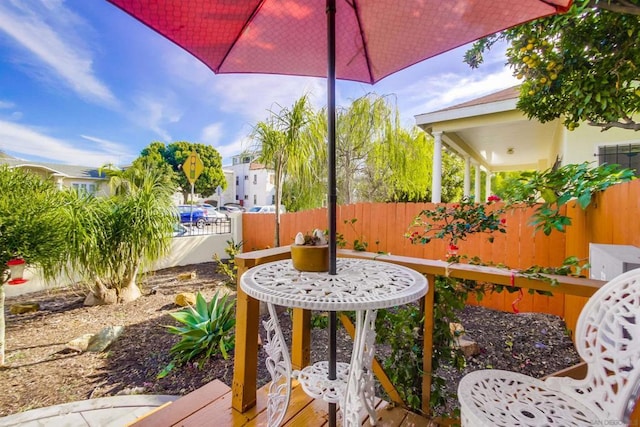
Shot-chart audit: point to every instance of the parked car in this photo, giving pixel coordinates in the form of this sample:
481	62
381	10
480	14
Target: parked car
234	207
266	209
192	215
179	230
227	209
212	215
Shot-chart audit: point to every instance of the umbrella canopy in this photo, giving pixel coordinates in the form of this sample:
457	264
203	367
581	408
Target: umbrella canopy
374	38
360	40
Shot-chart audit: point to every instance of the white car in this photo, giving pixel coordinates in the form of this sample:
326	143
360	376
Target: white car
266	209
212	215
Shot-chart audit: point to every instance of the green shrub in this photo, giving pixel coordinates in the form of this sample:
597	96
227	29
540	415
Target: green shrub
229	268
401	329
551	189
207	329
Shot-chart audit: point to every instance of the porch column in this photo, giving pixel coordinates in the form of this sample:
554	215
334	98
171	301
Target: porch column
467	176
488	185
476	190
436	180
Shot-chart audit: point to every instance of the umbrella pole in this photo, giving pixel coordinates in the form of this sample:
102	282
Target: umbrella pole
332	193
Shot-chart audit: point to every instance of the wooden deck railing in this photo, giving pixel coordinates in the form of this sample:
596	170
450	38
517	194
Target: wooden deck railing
247	312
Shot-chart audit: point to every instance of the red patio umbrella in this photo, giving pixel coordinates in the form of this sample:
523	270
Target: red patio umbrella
360	40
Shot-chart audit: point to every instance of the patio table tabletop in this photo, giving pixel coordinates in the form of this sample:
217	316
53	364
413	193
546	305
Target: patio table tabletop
363	286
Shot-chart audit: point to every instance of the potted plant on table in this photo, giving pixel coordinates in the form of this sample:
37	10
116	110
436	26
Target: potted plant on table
310	252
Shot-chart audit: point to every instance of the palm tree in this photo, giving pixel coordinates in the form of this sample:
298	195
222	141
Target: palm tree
284	147
306	187
112	238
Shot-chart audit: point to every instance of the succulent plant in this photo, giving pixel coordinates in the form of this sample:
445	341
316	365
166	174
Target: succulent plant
316	238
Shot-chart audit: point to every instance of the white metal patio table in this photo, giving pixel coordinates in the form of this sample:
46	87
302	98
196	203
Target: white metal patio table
363	286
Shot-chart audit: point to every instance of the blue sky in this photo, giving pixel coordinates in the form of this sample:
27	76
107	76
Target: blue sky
83	83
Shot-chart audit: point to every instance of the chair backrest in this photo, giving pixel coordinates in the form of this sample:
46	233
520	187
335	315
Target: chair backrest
608	340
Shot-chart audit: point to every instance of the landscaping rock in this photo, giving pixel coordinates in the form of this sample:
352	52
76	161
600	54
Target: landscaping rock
24	308
103	339
184	299
469	347
79	344
187	276
131	391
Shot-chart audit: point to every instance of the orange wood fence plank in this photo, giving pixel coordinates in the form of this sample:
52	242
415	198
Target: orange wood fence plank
609	219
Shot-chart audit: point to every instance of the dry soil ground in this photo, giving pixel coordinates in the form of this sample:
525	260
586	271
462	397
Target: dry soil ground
40	372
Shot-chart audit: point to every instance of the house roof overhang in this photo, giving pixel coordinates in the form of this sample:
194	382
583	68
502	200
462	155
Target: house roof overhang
494	133
59	170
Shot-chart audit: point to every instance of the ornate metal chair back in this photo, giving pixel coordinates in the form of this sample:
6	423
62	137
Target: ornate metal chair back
608	340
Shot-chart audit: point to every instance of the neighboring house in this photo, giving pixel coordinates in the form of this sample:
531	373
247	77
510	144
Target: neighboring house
254	183
492	135
227	196
81	178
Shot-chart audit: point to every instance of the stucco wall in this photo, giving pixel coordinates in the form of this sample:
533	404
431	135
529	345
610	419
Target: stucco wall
581	144
185	250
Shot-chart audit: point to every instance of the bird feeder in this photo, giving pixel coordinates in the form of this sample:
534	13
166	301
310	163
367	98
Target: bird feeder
16	267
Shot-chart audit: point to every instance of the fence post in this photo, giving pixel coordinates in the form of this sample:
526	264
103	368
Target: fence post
245	365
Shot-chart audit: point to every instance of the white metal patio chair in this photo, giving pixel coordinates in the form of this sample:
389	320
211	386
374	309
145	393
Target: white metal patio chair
607	339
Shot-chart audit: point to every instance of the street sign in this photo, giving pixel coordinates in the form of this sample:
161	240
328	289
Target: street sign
193	167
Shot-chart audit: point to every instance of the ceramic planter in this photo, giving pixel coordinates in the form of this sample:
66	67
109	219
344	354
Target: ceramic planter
310	258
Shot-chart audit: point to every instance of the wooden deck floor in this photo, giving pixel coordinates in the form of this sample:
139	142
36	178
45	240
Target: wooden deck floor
211	406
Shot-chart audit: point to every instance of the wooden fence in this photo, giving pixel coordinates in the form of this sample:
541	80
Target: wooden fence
612	218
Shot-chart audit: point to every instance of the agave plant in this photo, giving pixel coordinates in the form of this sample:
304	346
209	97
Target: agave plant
207	329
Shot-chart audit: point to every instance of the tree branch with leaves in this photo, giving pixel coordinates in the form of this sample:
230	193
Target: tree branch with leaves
581	66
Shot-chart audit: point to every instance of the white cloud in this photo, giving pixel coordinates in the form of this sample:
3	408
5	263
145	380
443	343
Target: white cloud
254	95
468	88
24	141
212	134
250	95
103	145
241	143
5	105
435	92
446	80
50	34
154	113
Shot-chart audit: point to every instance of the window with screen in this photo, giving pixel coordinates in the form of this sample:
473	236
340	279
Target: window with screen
625	155
83	187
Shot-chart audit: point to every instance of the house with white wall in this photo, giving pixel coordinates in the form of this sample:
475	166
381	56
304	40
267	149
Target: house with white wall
80	178
492	135
254	182
227	195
